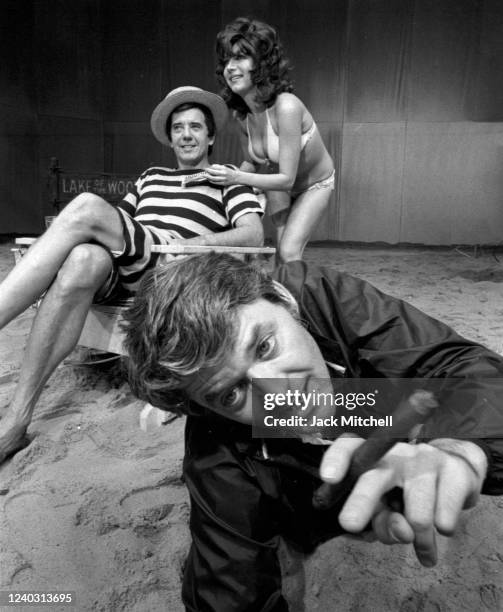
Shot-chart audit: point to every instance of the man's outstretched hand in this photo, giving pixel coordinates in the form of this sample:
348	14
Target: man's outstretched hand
438	481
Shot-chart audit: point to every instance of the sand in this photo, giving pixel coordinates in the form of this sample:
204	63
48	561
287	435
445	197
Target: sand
96	506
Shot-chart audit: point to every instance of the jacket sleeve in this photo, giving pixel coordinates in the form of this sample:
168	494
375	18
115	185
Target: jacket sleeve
382	336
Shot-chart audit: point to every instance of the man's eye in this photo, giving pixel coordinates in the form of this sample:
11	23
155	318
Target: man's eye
264	347
233	396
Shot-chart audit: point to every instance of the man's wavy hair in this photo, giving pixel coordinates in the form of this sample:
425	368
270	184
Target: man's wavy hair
271	73
184	318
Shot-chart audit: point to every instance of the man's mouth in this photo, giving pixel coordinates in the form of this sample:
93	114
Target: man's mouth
234	78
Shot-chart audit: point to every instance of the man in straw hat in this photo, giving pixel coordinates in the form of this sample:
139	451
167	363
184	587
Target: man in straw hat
93	249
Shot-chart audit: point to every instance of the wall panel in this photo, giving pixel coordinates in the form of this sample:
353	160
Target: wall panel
486	103
190	32
19	204
453	183
329	226
443	63
318	64
408	96
377	57
132	59
17	50
131	148
77	144
371	183
67	58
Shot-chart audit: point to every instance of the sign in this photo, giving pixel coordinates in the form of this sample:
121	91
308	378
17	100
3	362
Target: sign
111	187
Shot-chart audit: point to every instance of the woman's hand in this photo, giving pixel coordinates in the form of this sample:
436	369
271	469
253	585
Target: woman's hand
438	481
222	175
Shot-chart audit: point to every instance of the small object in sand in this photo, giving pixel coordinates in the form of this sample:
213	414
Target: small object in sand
151	418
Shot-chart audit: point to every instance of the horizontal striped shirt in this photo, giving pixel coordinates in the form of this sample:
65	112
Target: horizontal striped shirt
160	201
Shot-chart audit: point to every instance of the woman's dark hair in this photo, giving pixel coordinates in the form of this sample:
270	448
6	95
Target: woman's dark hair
271	73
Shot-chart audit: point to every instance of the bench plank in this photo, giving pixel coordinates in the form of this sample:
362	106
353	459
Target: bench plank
102	327
194	249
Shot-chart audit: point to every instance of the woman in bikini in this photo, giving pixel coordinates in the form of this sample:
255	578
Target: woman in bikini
278	134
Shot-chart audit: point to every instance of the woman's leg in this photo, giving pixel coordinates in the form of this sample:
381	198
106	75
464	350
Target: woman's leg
55	332
278	209
305	214
87	218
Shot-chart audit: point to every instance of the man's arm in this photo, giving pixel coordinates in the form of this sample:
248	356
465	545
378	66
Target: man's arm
248	231
378	335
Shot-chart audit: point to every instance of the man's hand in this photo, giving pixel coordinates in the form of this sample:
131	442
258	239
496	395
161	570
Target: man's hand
438	480
222	175
12	436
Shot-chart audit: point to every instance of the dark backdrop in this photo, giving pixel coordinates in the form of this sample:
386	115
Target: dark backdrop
407	93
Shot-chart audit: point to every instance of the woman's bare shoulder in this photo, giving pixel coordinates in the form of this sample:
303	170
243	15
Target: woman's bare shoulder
287	102
291	108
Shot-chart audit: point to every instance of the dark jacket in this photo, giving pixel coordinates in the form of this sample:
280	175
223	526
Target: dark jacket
244	500
375	335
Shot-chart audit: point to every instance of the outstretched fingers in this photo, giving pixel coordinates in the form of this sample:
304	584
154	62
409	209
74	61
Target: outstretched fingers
433	486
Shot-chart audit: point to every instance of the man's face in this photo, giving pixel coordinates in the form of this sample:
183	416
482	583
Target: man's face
189	138
270	344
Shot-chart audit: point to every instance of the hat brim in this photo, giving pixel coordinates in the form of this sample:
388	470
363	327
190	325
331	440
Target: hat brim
163	110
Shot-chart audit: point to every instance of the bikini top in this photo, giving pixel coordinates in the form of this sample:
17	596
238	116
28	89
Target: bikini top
272	141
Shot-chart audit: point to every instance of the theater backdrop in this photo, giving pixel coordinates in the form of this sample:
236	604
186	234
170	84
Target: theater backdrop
408	95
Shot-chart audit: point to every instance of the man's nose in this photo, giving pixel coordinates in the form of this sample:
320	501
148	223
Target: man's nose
186	132
285	366
264	370
273	377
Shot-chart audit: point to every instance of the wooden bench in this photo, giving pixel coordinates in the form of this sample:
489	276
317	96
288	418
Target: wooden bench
102	331
102	327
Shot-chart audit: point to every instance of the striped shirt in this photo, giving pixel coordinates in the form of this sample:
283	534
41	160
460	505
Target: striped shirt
160	201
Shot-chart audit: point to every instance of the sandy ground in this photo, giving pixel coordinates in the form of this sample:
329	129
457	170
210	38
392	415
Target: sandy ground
94	505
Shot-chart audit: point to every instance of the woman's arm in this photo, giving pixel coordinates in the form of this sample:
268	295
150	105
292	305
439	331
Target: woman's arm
289	112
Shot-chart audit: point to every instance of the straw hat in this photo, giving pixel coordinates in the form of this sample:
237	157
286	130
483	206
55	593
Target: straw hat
180	95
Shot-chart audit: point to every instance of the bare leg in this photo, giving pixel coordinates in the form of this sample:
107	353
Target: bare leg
305	214
87	218
278	208
54	334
